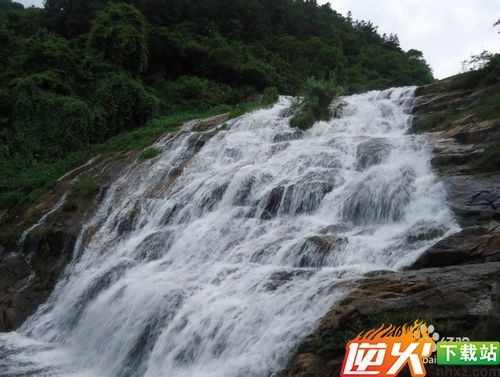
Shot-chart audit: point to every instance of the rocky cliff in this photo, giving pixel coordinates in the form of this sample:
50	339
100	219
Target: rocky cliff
454	285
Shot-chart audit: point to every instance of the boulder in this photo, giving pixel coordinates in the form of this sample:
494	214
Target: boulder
478	244
287	136
273	203
315	250
424	231
475	199
372	152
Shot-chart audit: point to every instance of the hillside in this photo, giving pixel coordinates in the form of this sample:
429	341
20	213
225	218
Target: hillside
77	73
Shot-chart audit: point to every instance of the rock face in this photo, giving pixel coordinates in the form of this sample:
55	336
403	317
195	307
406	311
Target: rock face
453	285
463	299
476	244
29	272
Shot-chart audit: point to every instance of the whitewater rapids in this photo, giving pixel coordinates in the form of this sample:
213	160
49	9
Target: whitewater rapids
219	256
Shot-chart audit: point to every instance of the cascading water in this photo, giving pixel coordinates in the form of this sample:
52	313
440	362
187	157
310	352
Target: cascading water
218	257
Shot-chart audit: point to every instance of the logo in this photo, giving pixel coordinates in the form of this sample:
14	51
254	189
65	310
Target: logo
468	353
387	350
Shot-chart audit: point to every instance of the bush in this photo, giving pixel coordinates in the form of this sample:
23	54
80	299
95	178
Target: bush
270	95
46	124
195	93
317	95
122	103
84	188
148	154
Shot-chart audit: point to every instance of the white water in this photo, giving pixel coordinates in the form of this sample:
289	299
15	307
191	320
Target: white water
224	270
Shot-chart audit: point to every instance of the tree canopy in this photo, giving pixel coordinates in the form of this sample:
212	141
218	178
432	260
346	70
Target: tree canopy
76	73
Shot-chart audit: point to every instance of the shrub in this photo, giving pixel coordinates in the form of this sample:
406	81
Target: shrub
317	95
270	95
84	187
148	154
46	124
122	103
191	92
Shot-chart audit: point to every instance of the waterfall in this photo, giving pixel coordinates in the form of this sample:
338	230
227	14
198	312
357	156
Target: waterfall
216	258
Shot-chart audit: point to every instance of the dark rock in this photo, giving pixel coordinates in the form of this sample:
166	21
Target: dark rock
373	201
372	152
280	278
29	274
424	231
206	123
314	251
477	244
306	195
287	136
273	203
460	297
475	199
336	228
243	193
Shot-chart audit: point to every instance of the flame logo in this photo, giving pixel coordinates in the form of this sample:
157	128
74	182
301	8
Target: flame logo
387	350
418	331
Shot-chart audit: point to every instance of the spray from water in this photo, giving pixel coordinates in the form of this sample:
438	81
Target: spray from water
218	257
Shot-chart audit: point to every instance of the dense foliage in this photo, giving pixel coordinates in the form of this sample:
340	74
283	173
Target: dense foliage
314	104
76	73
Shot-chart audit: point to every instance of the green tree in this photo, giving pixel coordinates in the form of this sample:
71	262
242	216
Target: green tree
46	124
119	36
121	103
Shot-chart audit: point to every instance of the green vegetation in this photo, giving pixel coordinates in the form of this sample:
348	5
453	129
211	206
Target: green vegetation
148	154
270	96
84	77
84	187
317	95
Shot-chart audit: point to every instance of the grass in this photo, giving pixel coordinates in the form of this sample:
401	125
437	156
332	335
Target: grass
19	186
489	161
84	187
148	154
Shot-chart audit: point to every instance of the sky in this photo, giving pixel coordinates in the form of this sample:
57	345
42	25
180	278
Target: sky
446	31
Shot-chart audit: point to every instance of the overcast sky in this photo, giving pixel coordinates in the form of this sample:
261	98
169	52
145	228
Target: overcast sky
447	31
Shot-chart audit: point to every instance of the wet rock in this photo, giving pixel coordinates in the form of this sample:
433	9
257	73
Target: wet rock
13	268
315	250
475	199
213	197
304	198
306	194
477	244
424	231
206	123
336	228
243	194
372	152
280	278
338	108
373	201
287	136
29	274
460	297
273	203
128	222
474	133
154	246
